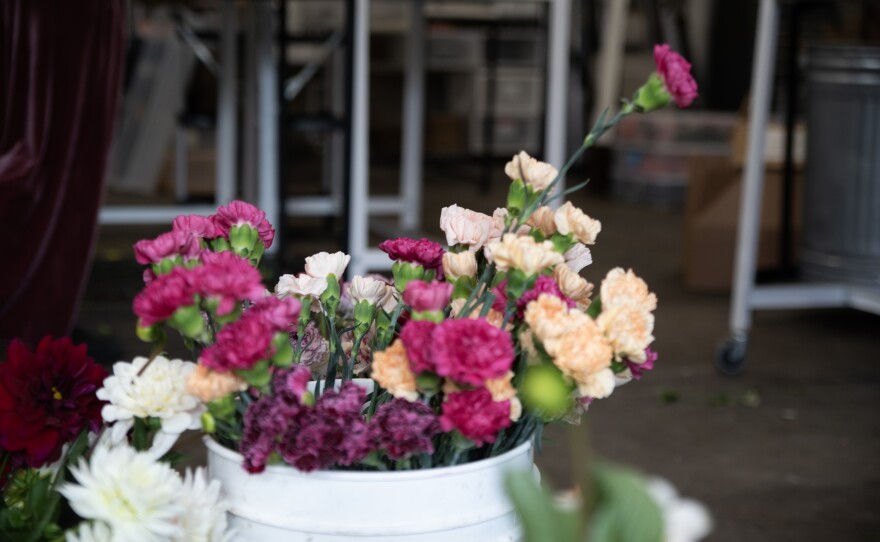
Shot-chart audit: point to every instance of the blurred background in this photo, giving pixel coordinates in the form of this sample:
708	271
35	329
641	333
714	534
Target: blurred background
354	121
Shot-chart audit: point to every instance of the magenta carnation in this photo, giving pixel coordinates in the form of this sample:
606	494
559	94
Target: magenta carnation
638	369
166	245
238	213
423	296
675	72
475	415
162	296
292	383
47	397
240	345
281	314
403	428
423	252
228	277
417	339
198	226
265	420
471	351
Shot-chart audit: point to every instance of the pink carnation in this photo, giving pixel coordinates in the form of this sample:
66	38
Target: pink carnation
166	245
292	383
164	295
423	252
230	278
475	415
197	226
238	213
676	74
281	314
417	339
471	351
240	345
423	296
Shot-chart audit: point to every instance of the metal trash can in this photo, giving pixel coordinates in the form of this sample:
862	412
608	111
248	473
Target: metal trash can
841	231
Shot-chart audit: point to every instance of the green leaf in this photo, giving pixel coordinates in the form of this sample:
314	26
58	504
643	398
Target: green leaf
541	520
620	496
258	375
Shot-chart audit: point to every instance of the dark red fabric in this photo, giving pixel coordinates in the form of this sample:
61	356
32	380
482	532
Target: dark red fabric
61	63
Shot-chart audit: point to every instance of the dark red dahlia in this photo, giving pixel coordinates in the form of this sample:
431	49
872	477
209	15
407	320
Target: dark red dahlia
47	398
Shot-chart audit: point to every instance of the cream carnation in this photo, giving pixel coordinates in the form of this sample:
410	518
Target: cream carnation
578	257
157	391
571	220
548	316
534	173
625	288
581	354
136	496
543	220
524	253
459	264
628	329
374	292
323	264
392	371
301	285
465	227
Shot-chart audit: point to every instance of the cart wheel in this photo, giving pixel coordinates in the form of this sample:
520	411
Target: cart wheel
731	355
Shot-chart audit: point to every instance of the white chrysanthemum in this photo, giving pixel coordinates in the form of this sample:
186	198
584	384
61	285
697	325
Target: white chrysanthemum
301	285
158	392
322	264
90	532
136	496
204	519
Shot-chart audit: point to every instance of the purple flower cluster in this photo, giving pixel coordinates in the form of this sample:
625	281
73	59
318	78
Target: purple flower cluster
403	428
333	431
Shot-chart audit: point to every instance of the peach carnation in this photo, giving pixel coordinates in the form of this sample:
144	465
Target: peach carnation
571	220
628	329
542	219
625	288
548	316
392	371
524	253
533	172
583	354
459	264
209	385
465	227
572	284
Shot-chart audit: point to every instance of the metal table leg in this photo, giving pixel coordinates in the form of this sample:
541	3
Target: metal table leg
557	88
413	119
267	113
358	215
226	108
732	353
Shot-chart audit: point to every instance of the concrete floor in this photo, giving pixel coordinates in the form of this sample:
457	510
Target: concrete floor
789	450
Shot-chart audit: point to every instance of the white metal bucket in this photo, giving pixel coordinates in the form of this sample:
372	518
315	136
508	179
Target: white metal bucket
461	503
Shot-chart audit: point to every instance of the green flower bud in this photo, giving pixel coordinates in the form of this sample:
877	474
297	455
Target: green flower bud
188	320
652	95
516	197
243	239
547	391
209	425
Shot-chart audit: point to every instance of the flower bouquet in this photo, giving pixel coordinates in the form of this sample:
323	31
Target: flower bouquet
460	357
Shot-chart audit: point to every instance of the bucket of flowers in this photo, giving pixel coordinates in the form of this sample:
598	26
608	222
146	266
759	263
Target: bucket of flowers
340	409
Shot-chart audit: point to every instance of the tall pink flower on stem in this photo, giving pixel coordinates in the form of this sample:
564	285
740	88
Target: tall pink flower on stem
471	351
417	338
238	213
675	72
198	226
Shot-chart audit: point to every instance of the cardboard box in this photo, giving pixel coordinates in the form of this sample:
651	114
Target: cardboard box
711	218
